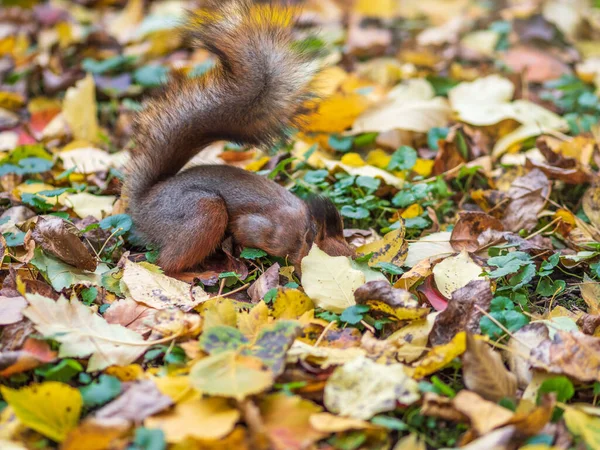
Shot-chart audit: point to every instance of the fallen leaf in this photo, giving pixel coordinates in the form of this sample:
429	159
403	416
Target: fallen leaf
94	434
469	226
269	279
409	106
199	418
463	312
287	421
570	353
434	245
50	408
159	291
130	314
33	354
384	300
455	272
80	110
291	304
484	372
11	309
58	238
86	160
591	205
411	442
83	333
324	357
584	426
228	374
391	249
250	323
141	399
536	65
84	204
61	275
362	388
412	339
519	347
484	415
330	423
528	196
440	356
330	281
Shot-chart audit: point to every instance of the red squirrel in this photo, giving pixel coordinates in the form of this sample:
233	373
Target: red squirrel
253	95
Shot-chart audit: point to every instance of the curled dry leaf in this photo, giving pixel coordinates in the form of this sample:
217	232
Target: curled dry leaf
591	205
519	347
268	280
469	226
455	272
440	356
384	300
58	238
590	291
484	371
362	388
463	312
157	290
528	196
570	353
435	405
484	415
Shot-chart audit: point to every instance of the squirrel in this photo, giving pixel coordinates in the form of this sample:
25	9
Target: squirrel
253	95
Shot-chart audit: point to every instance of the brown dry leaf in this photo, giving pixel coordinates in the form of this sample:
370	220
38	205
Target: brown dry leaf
58	238
411	442
528	196
141	399
536	65
468	228
500	439
483	414
33	354
590	291
591	205
484	372
435	405
519	347
386	301
570	353
133	315
268	280
462	313
287	421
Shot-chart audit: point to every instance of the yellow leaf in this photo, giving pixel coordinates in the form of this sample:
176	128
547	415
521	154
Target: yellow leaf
590	291
392	248
250	323
176	387
257	165
228	374
455	272
218	311
291	304
330	281
159	291
412	339
34	188
124	26
131	372
423	167
330	423
85	204
379	158
584	426
329	80
440	356
384	9
412	211
11	100
50	408
80	111
95	434
201	418
352	160
411	442
336	113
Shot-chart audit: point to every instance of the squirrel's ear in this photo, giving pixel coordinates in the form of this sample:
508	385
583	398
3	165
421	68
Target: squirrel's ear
326	216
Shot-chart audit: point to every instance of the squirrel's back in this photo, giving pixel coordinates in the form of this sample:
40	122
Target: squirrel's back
253	95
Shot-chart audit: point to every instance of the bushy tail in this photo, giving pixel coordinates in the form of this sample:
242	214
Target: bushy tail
253	95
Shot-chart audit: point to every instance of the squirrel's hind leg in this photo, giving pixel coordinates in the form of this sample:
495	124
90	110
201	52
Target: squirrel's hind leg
200	235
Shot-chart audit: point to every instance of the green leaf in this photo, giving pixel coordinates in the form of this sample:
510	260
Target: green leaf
35	201
63	371
354	212
547	267
368	183
561	385
14	239
391	423
508	264
151	76
222	338
121	223
88	295
523	276
436	134
354	314
316	176
252	253
100	392
270	295
548	287
390	268
149	439
340	143
404	158
108	65
411	195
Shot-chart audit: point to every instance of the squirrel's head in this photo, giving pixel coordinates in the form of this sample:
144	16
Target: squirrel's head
327	227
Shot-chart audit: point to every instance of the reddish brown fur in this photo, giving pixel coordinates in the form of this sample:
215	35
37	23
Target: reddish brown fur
256	91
